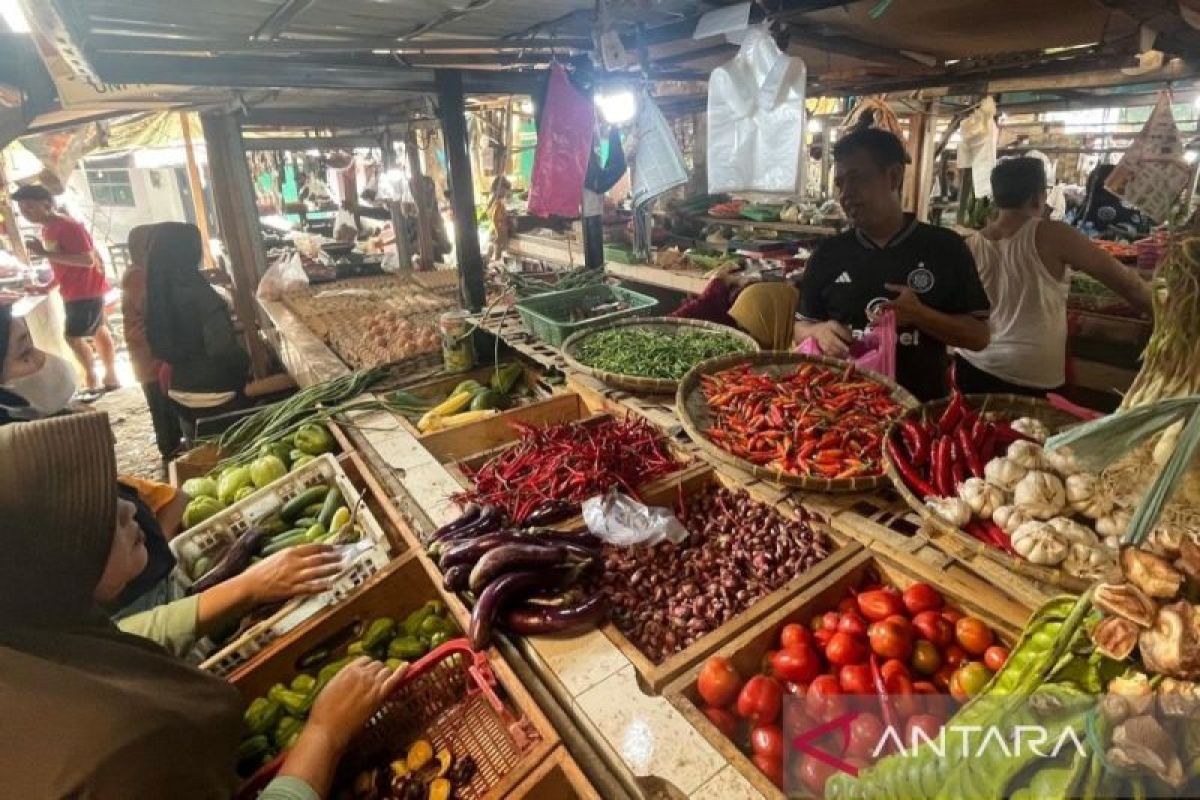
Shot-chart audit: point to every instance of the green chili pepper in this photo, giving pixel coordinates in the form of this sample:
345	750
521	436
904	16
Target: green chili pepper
654	354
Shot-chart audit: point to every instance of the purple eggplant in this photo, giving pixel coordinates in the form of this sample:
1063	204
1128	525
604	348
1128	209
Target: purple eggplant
469	551
510	557
550	512
528	619
469	514
489	520
455	579
233	562
500	592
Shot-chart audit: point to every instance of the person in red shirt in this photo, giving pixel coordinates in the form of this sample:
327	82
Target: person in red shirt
79	276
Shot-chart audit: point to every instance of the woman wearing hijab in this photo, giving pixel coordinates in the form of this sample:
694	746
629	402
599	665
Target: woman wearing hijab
765	310
89	710
33	383
167	434
189	328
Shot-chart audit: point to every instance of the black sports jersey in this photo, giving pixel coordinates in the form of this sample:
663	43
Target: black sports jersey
844	281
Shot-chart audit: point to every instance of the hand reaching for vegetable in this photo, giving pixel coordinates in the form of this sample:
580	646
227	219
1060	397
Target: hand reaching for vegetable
833	336
302	570
354	694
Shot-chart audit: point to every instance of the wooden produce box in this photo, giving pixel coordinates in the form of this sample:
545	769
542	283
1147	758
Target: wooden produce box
748	649
456	444
438	388
556	778
404	587
199	461
397	529
668	493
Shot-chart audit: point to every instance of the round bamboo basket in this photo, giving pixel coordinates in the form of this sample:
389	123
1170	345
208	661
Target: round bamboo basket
636	383
1010	407
696	416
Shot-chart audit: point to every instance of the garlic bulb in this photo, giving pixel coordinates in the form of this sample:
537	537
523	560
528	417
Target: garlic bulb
1025	454
1086	495
952	509
1088	562
1116	523
1040	543
1072	531
1033	428
981	496
1009	518
1040	494
1062	460
1003	473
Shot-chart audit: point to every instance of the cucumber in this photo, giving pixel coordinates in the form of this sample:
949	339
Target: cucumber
305	522
313	509
333	500
283	543
294	508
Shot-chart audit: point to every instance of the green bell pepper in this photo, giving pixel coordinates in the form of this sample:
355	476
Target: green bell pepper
378	633
407	648
251	751
262	714
433	625
293	702
439	639
303	683
287	731
314	439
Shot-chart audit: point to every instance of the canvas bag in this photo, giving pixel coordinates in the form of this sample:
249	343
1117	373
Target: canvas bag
876	351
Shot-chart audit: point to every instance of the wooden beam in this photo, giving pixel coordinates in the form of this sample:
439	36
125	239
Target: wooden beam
695	55
827	39
280	18
462	188
308	142
427	216
199	207
238	218
155	43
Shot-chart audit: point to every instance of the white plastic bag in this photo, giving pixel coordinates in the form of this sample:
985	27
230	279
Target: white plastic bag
977	150
624	522
658	165
284	277
756	120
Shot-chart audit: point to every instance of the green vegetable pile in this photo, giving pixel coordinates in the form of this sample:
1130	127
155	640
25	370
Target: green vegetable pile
651	354
273	723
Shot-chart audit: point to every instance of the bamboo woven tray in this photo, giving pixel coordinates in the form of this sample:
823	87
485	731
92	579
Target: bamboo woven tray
1012	406
637	383
695	415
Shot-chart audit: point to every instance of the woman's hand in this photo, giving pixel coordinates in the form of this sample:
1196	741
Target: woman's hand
354	694
301	570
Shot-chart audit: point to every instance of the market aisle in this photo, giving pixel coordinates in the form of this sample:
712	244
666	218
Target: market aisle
137	454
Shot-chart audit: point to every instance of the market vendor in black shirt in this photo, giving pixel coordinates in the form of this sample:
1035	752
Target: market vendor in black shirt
888	258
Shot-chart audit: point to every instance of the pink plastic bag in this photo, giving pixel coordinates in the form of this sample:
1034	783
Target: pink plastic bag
876	351
564	145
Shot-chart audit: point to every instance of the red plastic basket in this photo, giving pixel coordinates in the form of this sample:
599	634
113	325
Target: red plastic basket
449	698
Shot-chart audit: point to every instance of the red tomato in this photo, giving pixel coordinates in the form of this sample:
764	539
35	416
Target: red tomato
891	638
953	615
798	689
846	649
794	635
847	604
968	680
829	620
922	597
759	700
865	732
718	682
927	724
767	740
994	657
879	604
901	694
974	635
941	678
926	659
800	664
933	627
954	656
725	722
925	687
856	679
771	767
814	773
892	667
824	698
851	622
822	638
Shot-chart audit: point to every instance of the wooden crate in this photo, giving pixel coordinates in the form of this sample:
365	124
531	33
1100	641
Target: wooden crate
456	444
438	388
556	778
404	587
667	493
199	461
400	534
747	650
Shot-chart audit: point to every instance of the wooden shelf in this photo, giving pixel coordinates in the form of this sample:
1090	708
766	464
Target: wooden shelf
790	227
676	281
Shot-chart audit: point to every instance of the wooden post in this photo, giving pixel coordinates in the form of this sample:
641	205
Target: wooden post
926	160
399	229
238	218
427	217
462	188
199	207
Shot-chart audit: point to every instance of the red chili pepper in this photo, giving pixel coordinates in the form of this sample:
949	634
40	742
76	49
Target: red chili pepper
942	475
987	449
967	446
1005	435
958	473
953	414
915	481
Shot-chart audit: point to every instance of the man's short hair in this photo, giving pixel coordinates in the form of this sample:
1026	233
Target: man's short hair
884	147
1016	182
33	191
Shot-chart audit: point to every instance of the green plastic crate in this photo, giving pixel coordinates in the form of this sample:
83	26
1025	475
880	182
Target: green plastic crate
548	316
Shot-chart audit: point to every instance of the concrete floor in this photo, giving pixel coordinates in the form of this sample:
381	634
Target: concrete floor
137	455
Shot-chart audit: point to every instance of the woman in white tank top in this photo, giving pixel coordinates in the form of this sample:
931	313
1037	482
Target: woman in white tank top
1025	265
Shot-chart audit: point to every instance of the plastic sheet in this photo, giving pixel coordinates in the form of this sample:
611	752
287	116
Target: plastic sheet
875	351
624	522
658	165
564	146
756	120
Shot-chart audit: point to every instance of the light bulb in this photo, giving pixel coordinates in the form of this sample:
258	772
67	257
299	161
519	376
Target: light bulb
617	107
814	126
